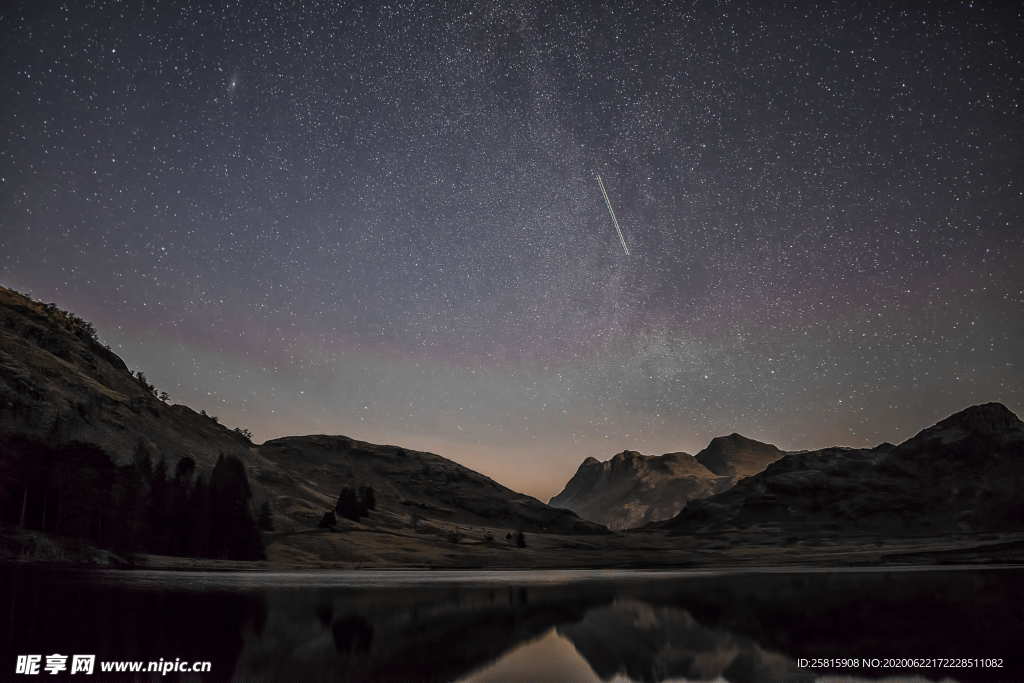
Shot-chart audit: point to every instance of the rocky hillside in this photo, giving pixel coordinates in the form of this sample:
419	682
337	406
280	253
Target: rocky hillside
966	473
632	489
59	384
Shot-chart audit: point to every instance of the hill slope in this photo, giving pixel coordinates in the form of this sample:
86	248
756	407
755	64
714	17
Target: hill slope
59	384
965	473
406	483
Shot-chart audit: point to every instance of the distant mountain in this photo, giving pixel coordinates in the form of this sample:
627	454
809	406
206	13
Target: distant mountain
59	384
966	473
632	489
737	456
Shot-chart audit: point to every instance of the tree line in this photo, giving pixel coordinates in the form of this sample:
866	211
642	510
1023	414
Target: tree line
77	490
353	503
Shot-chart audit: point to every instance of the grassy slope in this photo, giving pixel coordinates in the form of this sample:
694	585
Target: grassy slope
58	384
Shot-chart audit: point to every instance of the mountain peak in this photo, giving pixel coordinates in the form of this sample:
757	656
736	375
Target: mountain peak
987	419
631	489
730	438
736	455
677	455
984	418
626	455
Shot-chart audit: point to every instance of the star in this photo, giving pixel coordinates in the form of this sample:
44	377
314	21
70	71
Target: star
399	208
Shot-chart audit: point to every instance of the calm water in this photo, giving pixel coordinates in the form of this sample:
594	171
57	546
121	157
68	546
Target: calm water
519	626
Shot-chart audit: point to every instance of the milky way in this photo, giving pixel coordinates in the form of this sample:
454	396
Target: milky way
382	221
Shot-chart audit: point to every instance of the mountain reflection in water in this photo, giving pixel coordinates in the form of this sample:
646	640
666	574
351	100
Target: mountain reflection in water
484	626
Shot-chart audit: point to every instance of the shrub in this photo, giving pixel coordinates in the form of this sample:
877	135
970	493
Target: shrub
328	521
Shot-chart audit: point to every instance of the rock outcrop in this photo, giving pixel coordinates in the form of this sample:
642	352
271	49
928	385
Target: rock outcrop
966	473
632	489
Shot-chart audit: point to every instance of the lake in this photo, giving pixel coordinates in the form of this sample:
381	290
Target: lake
750	625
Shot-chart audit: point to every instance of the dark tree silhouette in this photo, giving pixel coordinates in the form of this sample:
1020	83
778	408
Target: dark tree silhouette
266	517
180	501
75	490
68	490
143	461
233	531
199	515
158	533
129	509
348	505
81	481
141	379
328	521
367	498
184	470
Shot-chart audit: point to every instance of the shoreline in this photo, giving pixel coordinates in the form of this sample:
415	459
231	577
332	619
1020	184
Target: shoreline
639	551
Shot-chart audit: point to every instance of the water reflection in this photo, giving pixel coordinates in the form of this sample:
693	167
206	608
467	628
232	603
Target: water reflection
440	626
652	643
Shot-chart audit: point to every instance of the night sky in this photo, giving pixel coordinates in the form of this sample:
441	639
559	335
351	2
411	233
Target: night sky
383	220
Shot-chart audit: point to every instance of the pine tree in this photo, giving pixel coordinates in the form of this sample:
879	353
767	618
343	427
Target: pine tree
233	531
129	510
143	461
200	519
180	494
348	505
367	498
266	517
81	490
158	536
184	470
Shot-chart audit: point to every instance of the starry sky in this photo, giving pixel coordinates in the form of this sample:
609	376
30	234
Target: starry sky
383	220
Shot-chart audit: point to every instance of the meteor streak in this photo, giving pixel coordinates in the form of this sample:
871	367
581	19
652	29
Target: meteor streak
611	212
